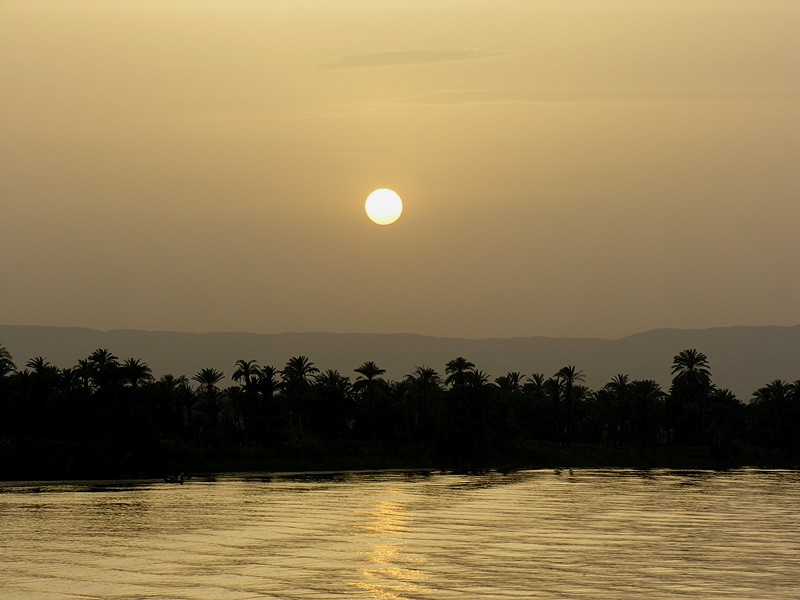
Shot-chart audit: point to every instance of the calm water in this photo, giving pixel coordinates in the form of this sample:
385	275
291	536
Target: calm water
537	534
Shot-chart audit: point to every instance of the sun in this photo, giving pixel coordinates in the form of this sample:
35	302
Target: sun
383	206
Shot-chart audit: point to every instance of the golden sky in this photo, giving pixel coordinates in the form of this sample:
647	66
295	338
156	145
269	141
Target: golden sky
589	168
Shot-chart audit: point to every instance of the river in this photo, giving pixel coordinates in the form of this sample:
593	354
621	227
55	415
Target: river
536	534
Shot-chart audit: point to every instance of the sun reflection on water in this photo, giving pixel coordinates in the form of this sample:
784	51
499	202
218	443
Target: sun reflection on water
388	573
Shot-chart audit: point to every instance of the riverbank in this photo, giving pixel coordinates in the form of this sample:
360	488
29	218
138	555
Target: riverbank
27	460
532	455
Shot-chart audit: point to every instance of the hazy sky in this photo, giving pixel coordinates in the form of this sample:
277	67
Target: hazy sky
568	168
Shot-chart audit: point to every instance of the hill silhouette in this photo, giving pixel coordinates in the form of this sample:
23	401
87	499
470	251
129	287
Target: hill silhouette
742	358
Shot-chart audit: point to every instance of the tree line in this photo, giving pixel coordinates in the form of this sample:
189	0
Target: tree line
106	417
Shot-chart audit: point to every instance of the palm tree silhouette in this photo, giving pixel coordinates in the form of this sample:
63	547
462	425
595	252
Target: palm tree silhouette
245	397
424	379
296	382
39	365
85	372
456	370
332	404
535	385
615	398
689	395
7	365
208	380
210	399
690	367
777	393
778	408
69	380
367	386
369	376
369	382
422	384
105	367
267	382
477	380
102	357
187	400
246	372
297	374
334	380
648	400
135	373
7	370
723	424
568	376
44	376
511	382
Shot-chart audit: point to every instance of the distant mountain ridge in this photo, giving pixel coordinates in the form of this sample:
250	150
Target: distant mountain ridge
742	358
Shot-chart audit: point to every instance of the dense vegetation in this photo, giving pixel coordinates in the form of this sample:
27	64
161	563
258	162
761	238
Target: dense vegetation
110	418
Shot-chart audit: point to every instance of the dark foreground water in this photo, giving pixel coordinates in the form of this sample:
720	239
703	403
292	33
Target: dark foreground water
536	534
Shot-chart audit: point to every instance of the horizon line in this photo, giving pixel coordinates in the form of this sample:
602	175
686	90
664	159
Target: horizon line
397	333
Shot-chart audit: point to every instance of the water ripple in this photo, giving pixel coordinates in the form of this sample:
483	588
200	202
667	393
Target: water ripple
537	534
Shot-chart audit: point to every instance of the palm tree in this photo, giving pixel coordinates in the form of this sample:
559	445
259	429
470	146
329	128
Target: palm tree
777	392
171	383
690	367
367	386
246	372
245	397
332	379
208	380
332	410
422	384
7	366
369	382
689	395
268	414
369	377
513	416
135	373
511	382
102	357
535	384
7	370
169	390
619	384
105	367
38	365
648	408
724	422
45	375
297	374
477	380
188	399
67	379
537	410
424	379
85	372
553	389
266	381
777	412
568	376
456	370
476	419
615	398
210	399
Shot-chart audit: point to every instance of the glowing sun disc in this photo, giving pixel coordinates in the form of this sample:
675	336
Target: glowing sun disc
383	206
